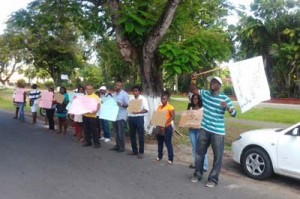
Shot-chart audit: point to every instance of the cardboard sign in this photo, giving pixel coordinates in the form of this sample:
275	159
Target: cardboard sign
191	119
59	98
134	105
159	118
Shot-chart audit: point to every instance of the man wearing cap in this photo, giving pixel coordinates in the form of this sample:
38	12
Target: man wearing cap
212	131
104	95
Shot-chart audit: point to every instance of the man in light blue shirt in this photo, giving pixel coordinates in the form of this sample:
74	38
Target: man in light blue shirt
122	100
212	131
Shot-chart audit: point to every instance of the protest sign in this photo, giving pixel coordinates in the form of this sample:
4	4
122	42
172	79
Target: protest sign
19	95
82	105
134	105
59	98
109	110
250	82
46	99
191	119
159	118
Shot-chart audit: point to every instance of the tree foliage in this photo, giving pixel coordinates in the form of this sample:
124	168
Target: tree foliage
273	32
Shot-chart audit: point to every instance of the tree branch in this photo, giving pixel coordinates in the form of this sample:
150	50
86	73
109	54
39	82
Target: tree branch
160	29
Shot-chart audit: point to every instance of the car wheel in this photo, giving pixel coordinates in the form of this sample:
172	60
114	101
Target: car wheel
257	164
42	112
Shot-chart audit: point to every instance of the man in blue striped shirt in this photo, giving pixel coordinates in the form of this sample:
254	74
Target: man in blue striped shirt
212	132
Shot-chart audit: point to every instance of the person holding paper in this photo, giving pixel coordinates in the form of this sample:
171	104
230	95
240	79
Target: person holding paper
78	122
196	104
90	120
122	100
34	94
50	113
136	121
166	136
104	95
212	130
61	111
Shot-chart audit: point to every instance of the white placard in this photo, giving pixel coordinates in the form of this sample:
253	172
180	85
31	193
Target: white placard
249	82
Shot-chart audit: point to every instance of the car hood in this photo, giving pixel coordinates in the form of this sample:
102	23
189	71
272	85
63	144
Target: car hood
263	133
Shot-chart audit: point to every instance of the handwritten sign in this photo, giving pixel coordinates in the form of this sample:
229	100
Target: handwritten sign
159	118
109	110
19	96
59	98
191	119
134	105
46	99
82	105
250	82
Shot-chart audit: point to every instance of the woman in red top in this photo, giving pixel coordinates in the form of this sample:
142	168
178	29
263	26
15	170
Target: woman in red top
167	130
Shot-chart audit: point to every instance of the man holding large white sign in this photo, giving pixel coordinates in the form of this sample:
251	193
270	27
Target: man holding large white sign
250	82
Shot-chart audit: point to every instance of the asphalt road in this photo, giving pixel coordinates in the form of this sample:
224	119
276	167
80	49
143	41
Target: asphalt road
36	164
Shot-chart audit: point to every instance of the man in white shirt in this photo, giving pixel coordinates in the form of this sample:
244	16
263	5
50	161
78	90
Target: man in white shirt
136	123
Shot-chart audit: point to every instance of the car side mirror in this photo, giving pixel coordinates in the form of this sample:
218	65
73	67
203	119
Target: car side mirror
295	131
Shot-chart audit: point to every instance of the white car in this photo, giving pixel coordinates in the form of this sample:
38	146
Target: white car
262	152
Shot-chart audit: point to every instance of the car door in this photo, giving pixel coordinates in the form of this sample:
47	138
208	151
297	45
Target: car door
288	153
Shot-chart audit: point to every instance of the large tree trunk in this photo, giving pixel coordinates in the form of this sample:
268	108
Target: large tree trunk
151	73
146	59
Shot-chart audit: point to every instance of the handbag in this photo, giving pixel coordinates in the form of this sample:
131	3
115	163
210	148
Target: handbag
158	131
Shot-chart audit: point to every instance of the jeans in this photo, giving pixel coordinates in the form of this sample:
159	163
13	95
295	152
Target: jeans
90	130
105	127
167	138
21	112
205	139
194	136
136	124
119	129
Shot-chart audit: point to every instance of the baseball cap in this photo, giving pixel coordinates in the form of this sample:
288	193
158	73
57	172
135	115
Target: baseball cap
216	78
102	88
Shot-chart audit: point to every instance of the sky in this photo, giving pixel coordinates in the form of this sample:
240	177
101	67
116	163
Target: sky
9	6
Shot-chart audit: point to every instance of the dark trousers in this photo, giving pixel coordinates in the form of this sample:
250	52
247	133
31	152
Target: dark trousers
119	129
205	139
167	138
90	130
50	116
136	124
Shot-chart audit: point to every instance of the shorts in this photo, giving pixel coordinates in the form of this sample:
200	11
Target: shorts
34	107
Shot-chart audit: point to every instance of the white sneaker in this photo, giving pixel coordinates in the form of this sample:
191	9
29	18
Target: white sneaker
102	138
106	140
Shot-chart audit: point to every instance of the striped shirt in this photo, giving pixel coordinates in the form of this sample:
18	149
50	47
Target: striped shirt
213	112
34	94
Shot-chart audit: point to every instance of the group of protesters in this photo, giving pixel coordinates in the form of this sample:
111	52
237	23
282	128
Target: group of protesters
88	126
